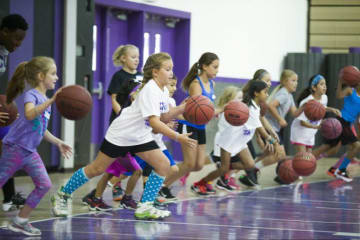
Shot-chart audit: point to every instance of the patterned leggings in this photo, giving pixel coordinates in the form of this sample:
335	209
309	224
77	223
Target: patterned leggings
14	158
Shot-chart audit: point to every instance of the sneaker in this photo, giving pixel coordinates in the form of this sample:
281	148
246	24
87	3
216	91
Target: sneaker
209	188
160	203
183	179
60	203
18	200
245	180
166	193
147	211
232	183
88	198
117	192
9	206
25	228
128	202
97	204
342	174
223	184
199	189
331	172
253	176
278	180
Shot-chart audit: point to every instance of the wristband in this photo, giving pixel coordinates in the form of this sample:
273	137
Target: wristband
271	140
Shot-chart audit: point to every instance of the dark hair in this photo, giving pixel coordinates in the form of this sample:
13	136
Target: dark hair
307	91
254	87
258	75
205	59
14	22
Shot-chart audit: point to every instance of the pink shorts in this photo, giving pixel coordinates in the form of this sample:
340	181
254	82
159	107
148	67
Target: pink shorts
122	165
301	144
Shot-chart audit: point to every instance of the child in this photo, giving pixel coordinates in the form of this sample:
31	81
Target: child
19	148
233	140
349	114
131	132
198	81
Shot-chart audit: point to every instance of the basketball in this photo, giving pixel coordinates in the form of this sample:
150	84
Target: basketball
199	110
304	163
73	102
350	75
286	172
11	109
331	128
236	113
314	110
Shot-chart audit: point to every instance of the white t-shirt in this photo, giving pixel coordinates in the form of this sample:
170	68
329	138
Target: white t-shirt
301	134
159	137
3	59
234	139
132	126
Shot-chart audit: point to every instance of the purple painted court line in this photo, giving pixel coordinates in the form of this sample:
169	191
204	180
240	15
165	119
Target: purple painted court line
322	210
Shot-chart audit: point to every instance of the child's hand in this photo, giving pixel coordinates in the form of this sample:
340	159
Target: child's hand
173	124
260	141
56	93
283	123
184	139
337	112
66	150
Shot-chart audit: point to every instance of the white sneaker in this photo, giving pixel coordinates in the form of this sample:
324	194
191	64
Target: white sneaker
60	202
148	211
342	174
9	206
25	228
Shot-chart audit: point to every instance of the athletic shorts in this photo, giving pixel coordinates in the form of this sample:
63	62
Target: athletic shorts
147	168
115	151
197	134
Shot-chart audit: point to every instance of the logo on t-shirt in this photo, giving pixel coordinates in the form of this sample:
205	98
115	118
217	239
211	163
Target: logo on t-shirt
41	122
163	107
246	132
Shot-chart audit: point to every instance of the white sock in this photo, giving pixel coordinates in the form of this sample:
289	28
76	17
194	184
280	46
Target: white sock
20	219
259	165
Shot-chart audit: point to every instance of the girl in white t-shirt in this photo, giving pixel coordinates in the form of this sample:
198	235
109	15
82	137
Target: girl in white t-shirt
132	132
303	130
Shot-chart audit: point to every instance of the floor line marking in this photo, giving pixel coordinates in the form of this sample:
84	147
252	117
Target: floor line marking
305	221
347	234
345	209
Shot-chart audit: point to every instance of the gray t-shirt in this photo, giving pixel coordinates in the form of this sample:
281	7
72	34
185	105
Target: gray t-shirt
29	133
3	59
286	101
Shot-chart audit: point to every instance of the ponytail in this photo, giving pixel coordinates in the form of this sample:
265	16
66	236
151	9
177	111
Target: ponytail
17	83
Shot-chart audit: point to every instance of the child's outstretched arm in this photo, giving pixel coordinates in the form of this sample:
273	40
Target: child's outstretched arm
274	112
341	91
65	149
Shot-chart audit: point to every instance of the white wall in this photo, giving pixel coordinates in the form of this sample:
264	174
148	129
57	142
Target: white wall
246	34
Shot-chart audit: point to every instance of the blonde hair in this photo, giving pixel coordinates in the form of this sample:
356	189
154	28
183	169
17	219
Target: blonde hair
120	51
285	75
27	71
228	94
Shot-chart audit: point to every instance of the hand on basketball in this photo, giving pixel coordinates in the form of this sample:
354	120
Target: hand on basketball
184	139
283	123
4	116
56	93
66	150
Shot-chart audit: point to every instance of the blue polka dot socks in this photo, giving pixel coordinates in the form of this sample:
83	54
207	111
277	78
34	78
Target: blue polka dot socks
77	180
152	187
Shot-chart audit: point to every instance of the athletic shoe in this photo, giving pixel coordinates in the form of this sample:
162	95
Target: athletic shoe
160	203
18	199
146	211
278	180
223	184
245	180
199	188
88	198
97	204
183	179
232	183
331	172
117	192
166	193
342	174
25	228
128	202
60	203
9	206
209	188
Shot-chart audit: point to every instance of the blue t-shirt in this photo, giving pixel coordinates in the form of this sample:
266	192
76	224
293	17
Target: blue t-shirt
29	133
351	108
210	95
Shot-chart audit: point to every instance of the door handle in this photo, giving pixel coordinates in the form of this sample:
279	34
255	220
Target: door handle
99	90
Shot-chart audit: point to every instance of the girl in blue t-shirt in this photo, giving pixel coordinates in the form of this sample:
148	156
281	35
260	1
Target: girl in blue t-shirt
19	145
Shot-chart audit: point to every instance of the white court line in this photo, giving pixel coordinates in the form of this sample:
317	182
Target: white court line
306	221
212	225
345	209
347	234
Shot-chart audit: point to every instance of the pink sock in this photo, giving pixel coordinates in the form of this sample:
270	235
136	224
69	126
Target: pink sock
338	163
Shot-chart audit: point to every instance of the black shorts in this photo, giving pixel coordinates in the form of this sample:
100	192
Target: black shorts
115	151
197	134
346	137
233	159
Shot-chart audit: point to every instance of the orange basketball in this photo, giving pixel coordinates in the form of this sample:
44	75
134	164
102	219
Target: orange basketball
236	113
199	110
304	163
74	102
350	75
314	110
331	128
10	108
286	171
